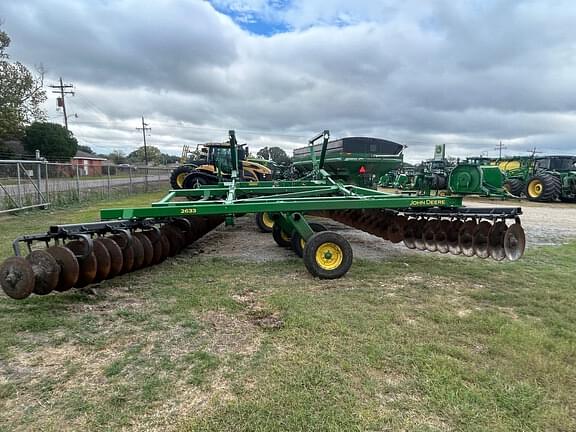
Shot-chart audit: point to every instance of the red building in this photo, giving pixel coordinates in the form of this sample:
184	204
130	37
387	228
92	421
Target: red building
88	164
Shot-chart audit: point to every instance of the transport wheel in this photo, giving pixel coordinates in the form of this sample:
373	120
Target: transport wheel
280	237
264	222
544	188
298	243
178	175
327	255
515	187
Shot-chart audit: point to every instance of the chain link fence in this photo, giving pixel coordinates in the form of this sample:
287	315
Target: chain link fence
26	184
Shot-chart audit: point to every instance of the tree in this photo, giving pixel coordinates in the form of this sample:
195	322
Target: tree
53	141
154	155
86	149
21	94
274	153
117	156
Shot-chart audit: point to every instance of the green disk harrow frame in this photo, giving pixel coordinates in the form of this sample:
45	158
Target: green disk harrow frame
142	236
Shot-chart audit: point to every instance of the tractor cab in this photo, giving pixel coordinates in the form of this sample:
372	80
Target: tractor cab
556	163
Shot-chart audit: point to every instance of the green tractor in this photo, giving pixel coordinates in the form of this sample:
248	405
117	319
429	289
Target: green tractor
553	178
541	179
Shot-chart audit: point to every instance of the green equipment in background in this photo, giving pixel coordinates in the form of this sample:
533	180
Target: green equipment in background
361	161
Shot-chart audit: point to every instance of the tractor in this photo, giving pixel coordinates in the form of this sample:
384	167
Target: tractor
214	164
543	179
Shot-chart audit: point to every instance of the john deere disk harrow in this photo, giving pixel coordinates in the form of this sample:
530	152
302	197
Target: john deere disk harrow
127	239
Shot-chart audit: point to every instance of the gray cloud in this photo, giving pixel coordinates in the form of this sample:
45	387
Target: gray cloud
467	73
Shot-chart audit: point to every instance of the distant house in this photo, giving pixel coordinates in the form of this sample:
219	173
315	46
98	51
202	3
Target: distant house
89	164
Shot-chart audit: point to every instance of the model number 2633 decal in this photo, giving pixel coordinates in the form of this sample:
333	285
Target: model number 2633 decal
188	211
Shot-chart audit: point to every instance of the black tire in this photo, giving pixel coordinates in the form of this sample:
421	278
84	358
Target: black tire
515	187
544	187
338	255
280	237
178	175
439	181
264	222
296	241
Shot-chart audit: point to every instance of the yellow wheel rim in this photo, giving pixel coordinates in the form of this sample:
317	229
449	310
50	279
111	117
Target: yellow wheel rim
284	236
267	220
535	188
329	256
180	178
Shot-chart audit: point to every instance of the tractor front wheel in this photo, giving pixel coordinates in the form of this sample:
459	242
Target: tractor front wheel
327	255
543	187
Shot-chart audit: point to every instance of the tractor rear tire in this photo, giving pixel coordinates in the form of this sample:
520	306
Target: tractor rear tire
178	175
515	187
327	255
544	187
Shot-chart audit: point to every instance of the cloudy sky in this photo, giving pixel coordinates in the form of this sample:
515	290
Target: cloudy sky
467	73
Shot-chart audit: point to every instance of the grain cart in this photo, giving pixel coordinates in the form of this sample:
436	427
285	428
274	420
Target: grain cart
127	239
357	160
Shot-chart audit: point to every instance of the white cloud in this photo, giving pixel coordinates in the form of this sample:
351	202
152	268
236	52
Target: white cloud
468	73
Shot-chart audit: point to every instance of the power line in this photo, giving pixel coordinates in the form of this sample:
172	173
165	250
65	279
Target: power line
144	128
61	101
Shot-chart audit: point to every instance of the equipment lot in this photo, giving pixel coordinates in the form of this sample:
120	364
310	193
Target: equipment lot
234	334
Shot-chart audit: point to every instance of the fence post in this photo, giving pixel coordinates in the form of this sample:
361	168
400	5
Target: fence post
19	185
78	182
38	181
108	166
46	183
130	177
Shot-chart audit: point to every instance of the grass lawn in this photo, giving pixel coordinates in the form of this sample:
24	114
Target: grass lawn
422	342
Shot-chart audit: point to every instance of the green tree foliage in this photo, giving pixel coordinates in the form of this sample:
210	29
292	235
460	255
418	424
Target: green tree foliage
86	149
117	157
53	141
154	155
21	94
274	153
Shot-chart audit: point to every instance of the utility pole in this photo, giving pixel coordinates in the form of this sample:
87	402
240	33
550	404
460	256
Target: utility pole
61	88
144	128
500	147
